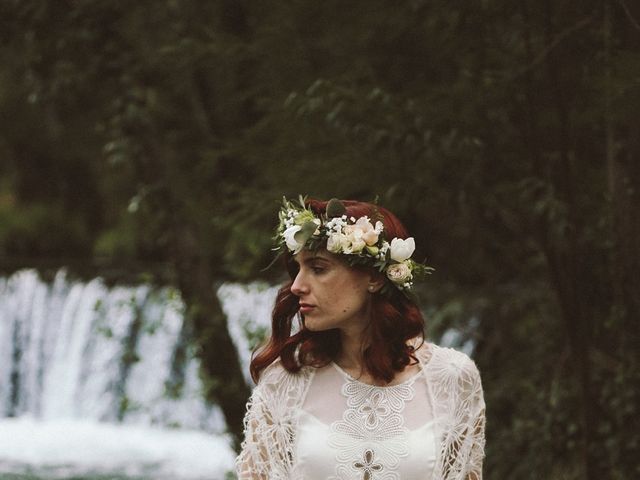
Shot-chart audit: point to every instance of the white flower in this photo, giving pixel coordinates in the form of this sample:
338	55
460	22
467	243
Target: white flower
354	241
382	253
399	273
289	237
335	225
336	242
356	245
401	250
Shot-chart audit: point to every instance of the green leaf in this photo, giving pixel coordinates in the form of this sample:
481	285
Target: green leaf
305	232
335	208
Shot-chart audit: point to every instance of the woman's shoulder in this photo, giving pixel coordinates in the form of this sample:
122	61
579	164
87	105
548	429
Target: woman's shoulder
449	362
275	374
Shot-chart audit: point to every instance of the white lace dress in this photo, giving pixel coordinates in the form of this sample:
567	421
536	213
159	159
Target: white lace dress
324	424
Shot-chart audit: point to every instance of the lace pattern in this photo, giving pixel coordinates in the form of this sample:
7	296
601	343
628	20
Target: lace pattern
459	411
270	424
371	438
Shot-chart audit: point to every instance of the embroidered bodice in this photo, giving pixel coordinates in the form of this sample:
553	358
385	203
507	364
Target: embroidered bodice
322	423
351	430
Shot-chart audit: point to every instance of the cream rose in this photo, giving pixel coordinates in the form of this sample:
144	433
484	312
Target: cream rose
356	245
370	237
336	242
354	241
399	273
369	233
363	223
401	249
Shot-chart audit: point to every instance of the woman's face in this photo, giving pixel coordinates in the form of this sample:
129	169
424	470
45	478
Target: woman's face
331	293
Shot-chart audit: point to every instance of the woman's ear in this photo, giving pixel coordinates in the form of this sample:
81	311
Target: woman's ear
376	282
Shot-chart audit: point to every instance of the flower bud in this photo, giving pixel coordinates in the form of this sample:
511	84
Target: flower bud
401	249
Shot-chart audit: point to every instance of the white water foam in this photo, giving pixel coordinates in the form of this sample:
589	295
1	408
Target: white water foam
248	310
57	448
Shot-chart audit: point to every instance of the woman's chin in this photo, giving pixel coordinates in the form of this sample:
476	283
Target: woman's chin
315	326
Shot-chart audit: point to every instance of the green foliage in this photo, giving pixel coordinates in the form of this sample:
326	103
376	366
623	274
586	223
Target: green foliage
40	230
126	405
256	335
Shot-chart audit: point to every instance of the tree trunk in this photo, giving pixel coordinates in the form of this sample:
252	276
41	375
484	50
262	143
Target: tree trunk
224	384
623	175
569	261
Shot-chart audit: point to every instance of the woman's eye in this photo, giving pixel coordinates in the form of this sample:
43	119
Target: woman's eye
317	269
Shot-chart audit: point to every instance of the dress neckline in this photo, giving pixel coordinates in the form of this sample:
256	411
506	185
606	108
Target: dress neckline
351	378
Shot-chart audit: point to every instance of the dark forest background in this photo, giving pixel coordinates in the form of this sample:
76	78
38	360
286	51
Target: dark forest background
154	139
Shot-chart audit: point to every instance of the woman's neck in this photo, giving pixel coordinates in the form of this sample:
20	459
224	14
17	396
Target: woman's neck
350	357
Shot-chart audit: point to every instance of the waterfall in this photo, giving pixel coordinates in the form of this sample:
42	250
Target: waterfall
248	310
77	356
101	380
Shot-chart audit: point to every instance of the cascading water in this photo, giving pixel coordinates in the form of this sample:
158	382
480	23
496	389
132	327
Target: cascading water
93	379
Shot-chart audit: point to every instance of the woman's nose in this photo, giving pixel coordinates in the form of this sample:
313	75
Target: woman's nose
299	287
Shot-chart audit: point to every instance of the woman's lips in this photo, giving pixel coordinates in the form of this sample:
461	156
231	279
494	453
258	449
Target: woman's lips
306	308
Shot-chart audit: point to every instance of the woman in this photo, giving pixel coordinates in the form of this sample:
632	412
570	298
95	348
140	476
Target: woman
354	392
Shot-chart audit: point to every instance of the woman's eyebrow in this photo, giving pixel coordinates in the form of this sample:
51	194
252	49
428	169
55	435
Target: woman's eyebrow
311	260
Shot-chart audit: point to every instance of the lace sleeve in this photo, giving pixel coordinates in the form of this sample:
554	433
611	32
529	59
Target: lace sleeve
269	425
473	438
253	462
459	400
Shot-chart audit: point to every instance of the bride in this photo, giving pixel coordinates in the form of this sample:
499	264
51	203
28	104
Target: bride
354	391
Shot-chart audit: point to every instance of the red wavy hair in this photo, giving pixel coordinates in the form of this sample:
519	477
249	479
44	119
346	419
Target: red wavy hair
395	318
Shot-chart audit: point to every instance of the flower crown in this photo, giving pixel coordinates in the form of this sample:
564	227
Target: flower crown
362	241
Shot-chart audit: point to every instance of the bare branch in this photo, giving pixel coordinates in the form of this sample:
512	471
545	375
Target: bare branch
540	57
630	16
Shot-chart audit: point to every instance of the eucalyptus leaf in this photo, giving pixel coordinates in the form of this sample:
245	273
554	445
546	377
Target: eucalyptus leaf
306	232
335	208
